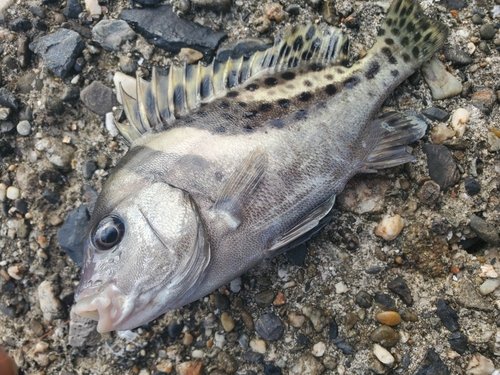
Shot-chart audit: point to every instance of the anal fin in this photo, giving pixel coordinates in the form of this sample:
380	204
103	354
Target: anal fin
306	228
390	134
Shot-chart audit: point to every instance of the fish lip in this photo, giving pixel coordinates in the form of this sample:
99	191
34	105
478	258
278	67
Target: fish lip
104	305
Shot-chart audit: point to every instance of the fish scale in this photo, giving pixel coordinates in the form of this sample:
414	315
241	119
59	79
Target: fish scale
251	173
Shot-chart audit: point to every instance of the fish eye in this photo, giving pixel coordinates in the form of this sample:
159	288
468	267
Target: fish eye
109	233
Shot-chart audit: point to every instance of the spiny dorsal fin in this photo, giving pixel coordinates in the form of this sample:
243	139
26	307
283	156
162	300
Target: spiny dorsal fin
166	97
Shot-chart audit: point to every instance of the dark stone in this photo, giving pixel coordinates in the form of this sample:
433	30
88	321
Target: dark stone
72	234
343	346
472	187
54	104
297	255
432	365
70	94
242	47
51	196
40	25
457	56
364	299
484	99
272	370
175	328
477	19
333	330
487	31
385	336
9	287
398	286
88	169
442	168
99	98
9	311
163	28
264	298
20	24
112	34
72	9
6	126
385	302
21	206
458	342
28	82
37	11
437	114
51	175
447	315
253	357
303	340
147	2
7	99
221	302
454	4
373	270
59	50
269	327
293	9
429	192
484	230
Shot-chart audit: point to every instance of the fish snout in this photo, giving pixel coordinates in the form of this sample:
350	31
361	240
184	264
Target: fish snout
105	306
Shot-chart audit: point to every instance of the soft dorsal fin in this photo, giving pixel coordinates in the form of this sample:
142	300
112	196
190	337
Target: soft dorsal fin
185	87
239	188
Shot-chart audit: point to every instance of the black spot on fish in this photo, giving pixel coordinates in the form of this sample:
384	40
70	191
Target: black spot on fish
345	47
271	81
252	87
277	123
331	89
394	73
232	94
265	107
406	57
223	104
402	22
405	41
340	71
242	104
250	114
389	41
398	5
288	75
329	77
293	62
410	9
315	67
425	25
205	87
301	114
350	82
285	50
306	55
217	66
316	44
220	129
389	22
415	52
427	36
395	31
381	31
305	96
179	96
310	33
410	27
417	37
388	53
284	103
403	11
298	43
307	83
373	69
227	116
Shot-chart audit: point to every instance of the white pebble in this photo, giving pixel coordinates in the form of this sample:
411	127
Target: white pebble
459	121
341	288
258	346
3	192
480	365
471	47
24	127
441	133
4	4
93	7
489	286
383	355
390	227
319	349
198	353
12	192
110	124
296	320
487	270
4	113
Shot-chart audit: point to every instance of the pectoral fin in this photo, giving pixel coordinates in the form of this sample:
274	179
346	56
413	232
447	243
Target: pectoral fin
304	230
240	188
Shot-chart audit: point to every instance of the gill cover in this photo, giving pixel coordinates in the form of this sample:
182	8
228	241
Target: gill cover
159	254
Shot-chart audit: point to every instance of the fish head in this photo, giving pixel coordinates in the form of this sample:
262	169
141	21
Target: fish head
145	254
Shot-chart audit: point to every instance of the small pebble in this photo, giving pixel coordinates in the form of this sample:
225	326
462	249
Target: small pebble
441	133
258	346
489	286
235	285
429	192
383	355
16	271
269	327
459	121
24	128
364	299
458	342
307	365
274	11
262	24
296	320
221	302
385	336
189	55
448	316
484	230
390	227
247	320
3	192
13	192
389	318
227	322
437	114
477	19
280	299
399	286
341	288
442	84
480	365
190	368
472	187
319	349
264	298
487	31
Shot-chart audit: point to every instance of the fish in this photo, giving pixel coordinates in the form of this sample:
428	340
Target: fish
238	161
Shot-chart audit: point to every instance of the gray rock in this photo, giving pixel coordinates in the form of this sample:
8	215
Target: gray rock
216	5
98	98
163	28
477	19
484	230
472	187
71	235
437	114
442	167
343	346
29	82
72	9
128	65
82	331
442	84
269	327
111	34
59	50
457	56
221	302
24	128
487	31
398	286
264	298
469	297
54	104
70	94
307	365
147	2
7	99
51	306
58	153
88	169
458	342
20	24
448	316
432	365
484	99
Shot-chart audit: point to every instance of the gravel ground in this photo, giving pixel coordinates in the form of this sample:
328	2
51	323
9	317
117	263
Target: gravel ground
327	307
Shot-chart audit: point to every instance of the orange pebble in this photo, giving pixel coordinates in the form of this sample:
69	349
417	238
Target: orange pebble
7	364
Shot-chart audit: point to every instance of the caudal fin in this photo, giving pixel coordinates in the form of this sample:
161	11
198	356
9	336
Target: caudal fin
407	33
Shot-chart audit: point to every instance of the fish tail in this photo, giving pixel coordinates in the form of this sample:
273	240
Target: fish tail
408	35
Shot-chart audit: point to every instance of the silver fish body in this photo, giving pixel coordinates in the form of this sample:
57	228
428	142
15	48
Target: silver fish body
248	175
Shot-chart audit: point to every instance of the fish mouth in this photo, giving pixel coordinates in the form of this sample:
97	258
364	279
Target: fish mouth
106	307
